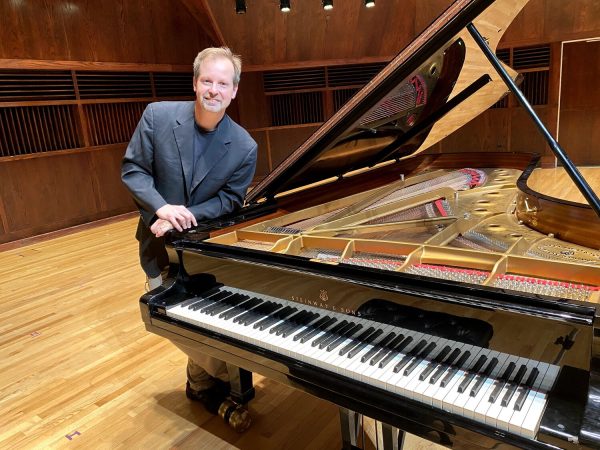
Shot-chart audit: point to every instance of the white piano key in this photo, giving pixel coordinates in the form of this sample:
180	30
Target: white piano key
524	422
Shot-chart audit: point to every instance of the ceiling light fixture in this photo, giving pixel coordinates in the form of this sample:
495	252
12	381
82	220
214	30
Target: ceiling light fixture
327	5
240	6
369	3
284	5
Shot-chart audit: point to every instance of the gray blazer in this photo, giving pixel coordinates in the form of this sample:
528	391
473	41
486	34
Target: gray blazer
158	169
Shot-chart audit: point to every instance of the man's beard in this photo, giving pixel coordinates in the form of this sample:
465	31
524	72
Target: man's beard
215	108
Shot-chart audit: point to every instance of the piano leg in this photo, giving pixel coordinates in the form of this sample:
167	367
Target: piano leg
391	437
386	436
242	389
349	421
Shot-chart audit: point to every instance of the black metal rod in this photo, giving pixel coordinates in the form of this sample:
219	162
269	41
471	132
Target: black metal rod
575	175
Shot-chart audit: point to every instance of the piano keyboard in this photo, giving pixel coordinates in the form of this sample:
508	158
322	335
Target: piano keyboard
504	391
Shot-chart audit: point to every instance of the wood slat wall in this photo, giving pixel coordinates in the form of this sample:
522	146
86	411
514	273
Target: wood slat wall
71	96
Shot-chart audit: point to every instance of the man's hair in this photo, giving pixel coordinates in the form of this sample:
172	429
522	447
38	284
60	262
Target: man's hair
219	52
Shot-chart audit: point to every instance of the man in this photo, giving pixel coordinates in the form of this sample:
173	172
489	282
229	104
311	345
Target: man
186	162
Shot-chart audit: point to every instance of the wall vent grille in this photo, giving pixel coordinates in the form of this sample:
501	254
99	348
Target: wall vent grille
293	109
173	84
531	57
99	85
353	75
28	85
37	129
290	80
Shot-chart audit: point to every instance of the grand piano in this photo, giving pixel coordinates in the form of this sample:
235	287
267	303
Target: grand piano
436	293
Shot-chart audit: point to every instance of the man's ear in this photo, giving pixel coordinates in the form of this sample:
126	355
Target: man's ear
235	88
194	84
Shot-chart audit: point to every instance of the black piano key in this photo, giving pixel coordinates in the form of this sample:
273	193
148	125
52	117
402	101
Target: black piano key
526	388
314	327
445	366
386	349
260	309
371	352
357	341
420	357
286	323
392	354
306	320
278	315
463	386
410	355
209	300
333	335
226	302
433	364
217	301
382	348
483	376
376	347
501	382
239	309
357	348
454	368
329	333
351	332
514	385
282	314
307	337
255	316
200	298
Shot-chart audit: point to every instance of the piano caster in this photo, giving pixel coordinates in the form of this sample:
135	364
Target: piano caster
242	390
388	437
235	415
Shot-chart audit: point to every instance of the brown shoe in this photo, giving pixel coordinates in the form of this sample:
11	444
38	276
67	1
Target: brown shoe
212	397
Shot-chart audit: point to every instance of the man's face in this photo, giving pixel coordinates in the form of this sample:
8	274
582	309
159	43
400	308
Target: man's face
214	86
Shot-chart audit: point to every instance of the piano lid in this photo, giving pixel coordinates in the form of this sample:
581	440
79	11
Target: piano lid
435	85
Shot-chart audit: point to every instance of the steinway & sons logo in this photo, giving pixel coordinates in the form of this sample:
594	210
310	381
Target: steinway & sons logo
322	301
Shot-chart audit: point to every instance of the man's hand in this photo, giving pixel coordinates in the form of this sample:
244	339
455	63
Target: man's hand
177	215
160	227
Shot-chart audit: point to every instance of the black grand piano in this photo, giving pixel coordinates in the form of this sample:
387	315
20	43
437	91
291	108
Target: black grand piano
435	293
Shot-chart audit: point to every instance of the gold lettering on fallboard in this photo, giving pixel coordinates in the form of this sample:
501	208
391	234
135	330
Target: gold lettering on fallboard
320	303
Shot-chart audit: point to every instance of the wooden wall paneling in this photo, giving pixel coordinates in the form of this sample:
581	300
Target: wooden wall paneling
47	193
487	132
253	105
263	166
580	102
528	26
118	31
105	166
571	20
427	12
283	141
525	137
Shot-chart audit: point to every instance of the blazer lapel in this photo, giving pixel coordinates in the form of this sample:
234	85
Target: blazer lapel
213	154
184	137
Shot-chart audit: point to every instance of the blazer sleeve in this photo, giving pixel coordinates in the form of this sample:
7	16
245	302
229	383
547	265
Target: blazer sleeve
231	195
137	168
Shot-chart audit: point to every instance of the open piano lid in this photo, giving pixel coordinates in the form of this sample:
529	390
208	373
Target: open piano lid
435	85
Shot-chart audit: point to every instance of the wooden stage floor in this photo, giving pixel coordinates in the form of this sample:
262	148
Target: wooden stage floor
79	370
